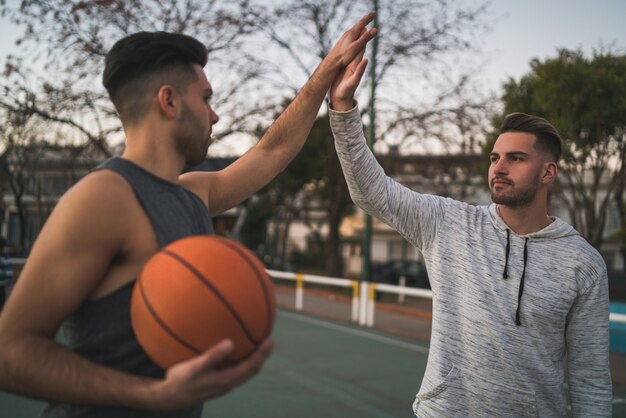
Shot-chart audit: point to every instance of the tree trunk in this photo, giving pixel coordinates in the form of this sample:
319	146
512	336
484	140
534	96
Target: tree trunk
621	212
337	201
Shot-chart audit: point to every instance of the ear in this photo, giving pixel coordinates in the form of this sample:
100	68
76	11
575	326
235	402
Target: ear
168	101
550	170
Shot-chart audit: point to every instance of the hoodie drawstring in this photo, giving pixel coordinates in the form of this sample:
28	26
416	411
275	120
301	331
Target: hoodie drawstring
505	274
521	284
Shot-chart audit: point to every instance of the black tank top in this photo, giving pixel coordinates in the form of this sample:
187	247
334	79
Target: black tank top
100	330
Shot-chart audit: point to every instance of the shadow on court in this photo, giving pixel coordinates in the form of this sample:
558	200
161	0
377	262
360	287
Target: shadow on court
321	368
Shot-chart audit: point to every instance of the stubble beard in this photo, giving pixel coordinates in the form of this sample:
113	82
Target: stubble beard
516	197
189	141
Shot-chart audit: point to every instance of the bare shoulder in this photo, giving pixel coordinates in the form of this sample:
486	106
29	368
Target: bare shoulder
72	254
102	185
198	182
93	210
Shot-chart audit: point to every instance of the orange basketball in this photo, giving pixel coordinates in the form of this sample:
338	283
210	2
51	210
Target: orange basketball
197	291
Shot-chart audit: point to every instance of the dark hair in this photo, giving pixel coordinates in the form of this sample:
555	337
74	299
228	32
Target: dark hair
548	139
139	64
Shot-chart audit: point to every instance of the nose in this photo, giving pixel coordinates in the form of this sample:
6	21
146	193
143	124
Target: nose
214	117
499	166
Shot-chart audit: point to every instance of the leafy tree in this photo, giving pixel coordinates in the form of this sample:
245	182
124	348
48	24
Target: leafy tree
297	191
585	99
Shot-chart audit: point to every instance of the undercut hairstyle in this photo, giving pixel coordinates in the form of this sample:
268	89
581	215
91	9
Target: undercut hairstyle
548	140
139	64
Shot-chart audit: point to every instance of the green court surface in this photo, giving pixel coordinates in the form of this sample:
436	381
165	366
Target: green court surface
320	368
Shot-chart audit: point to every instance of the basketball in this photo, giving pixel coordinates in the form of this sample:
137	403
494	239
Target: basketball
197	291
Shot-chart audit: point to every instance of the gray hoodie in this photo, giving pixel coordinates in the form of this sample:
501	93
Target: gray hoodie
514	316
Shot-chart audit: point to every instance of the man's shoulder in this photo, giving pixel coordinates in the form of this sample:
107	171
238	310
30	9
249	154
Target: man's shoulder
101	193
106	183
587	262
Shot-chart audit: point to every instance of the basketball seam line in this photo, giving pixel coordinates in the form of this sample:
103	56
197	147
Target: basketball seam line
261	283
221	297
162	323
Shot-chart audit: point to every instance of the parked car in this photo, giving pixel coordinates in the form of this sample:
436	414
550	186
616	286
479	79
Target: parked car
390	272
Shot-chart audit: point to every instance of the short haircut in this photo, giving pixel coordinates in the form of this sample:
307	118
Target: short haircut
548	139
139	64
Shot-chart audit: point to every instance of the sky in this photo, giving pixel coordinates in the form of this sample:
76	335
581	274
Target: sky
529	29
521	30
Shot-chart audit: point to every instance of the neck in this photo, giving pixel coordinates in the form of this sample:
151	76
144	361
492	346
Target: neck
525	220
153	151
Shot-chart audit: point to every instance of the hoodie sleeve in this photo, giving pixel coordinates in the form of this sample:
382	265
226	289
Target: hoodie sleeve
414	215
587	338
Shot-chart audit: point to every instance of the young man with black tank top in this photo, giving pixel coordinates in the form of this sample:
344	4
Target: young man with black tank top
83	265
520	299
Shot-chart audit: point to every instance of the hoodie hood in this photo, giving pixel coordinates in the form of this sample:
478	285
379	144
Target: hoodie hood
557	229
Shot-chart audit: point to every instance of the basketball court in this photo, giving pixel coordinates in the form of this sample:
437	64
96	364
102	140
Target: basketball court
321	368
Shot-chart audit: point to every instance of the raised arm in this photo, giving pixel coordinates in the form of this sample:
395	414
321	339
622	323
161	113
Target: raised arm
370	188
285	137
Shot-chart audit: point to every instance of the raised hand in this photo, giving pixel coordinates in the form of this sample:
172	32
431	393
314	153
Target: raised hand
353	42
348	78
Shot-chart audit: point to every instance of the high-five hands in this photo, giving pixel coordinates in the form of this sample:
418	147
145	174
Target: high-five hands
348	78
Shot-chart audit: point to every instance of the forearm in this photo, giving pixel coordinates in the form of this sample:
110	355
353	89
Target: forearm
589	377
287	135
365	177
38	367
590	386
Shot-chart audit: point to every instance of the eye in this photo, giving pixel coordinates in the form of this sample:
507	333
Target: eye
493	158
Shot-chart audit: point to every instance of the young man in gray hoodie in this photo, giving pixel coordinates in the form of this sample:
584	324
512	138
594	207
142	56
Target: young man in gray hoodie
520	299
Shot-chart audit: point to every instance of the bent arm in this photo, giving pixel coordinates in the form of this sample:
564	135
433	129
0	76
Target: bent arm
72	254
587	338
68	260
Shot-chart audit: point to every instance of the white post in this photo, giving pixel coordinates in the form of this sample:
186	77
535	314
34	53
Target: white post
363	304
355	301
402	284
299	292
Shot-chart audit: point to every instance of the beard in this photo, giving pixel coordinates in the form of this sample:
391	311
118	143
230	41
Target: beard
516	197
190	138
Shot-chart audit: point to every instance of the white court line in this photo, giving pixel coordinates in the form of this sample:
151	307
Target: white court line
352	331
369	335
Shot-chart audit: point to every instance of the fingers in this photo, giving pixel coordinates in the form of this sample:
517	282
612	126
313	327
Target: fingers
364	21
210	358
358	73
234	376
252	365
358	37
365	37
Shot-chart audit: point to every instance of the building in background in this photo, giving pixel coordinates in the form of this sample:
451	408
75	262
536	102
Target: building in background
33	179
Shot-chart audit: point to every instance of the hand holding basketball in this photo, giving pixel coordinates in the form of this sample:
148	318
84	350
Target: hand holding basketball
203	308
198	291
206	376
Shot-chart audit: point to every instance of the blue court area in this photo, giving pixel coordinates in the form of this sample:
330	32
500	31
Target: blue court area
321	368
